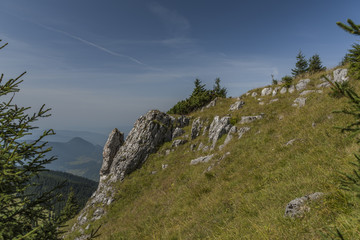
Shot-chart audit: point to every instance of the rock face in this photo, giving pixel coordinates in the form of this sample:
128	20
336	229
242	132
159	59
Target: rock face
297	207
218	127
299	102
121	158
112	145
178	132
196	128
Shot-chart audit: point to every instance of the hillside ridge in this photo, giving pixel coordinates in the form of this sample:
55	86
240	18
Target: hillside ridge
204	137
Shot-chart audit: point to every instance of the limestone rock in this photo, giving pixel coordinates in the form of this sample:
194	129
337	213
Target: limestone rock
254	94
302	84
218	127
228	138
297	207
273	100
323	85
177	132
299	102
249	119
201	159
182	121
340	75
237	105
266	91
291	89
283	90
196	128
242	130
178	142
275	91
212	103
164	166
99	212
261	103
112	145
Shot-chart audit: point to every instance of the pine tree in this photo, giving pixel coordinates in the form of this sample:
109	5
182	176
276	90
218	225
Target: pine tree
22	216
71	208
315	64
218	90
351	28
301	65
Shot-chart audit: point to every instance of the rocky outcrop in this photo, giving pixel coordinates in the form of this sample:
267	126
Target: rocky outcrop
302	84
178	132
196	128
218	127
298	206
201	159
236	106
266	91
249	119
121	158
228	138
340	75
112	145
178	142
242	131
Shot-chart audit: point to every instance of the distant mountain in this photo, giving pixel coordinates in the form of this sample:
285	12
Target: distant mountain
82	187
78	157
67	135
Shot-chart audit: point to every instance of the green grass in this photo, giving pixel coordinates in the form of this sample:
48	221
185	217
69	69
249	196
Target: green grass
245	194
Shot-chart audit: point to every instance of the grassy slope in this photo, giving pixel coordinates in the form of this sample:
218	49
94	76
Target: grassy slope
244	196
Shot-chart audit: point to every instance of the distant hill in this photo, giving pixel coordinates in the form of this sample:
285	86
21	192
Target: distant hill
82	187
78	157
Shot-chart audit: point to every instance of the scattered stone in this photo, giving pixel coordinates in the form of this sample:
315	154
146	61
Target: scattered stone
167	152
323	85
153	172
205	148
254	94
201	146
164	166
283	90
178	142
261	103
299	102
204	159
241	131
177	132
192	147
206	129
228	138
281	117
249	119
196	128
237	105
291	89
274	92
273	100
290	142
306	92
297	207
218	127
212	103
313	124
266	91
340	75
259	99
302	84
246	94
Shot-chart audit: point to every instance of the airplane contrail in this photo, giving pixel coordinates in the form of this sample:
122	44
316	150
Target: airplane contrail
91	44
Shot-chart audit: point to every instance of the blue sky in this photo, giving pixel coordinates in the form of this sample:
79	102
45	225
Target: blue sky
102	64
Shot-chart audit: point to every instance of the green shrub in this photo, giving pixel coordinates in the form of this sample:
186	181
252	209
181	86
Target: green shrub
199	98
287	80
353	57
